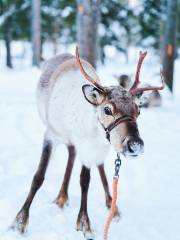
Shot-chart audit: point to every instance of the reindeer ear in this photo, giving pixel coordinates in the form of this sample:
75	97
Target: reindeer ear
143	98
139	95
93	95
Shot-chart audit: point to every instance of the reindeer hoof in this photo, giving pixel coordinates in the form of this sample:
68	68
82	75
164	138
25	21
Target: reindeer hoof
83	224
89	236
21	222
61	201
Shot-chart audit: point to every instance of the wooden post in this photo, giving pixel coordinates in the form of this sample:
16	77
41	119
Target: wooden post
88	16
36	32
169	52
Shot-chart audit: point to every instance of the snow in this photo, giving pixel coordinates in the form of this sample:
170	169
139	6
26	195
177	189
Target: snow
148	186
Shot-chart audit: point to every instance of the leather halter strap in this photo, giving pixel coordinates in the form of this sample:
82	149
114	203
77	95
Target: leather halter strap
116	123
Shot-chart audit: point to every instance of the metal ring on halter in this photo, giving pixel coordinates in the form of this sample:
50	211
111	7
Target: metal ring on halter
117	166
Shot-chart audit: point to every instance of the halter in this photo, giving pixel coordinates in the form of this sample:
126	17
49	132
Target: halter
116	123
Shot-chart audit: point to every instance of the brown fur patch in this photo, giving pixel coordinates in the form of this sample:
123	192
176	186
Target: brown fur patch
122	100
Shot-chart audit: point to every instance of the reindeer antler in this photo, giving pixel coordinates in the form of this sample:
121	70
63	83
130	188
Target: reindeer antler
134	89
140	61
89	78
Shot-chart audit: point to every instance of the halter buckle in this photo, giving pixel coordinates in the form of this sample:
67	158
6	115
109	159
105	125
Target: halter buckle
107	134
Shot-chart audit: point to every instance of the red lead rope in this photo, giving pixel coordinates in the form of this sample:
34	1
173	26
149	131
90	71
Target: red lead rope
114	198
113	208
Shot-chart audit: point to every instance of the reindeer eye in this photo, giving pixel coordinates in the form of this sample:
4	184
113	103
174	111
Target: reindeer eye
107	111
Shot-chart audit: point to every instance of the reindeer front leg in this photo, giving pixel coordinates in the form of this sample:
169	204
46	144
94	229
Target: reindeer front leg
83	223
62	197
22	217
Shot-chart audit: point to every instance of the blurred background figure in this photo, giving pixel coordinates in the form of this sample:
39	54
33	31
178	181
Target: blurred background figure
124	81
152	99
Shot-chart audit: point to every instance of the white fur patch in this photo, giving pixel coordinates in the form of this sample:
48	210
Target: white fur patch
72	120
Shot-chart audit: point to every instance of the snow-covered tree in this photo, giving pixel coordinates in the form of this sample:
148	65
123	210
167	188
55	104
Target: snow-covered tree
150	15
117	24
13	21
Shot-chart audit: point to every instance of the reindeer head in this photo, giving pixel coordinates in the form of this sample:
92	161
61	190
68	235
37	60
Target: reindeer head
118	110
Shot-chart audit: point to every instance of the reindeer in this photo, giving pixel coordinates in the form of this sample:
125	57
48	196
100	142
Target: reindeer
153	99
87	118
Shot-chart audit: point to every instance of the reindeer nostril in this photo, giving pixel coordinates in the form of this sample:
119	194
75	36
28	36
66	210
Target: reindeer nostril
130	147
135	147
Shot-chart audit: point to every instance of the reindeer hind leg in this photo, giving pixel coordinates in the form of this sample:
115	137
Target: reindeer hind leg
21	221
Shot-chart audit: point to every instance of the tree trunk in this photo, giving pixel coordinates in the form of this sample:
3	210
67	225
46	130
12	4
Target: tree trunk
88	16
7	39
169	52
36	32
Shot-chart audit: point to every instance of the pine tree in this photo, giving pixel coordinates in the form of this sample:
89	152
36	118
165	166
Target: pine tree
59	21
14	24
117	23
150	18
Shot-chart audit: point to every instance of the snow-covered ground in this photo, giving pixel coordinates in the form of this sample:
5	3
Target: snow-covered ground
149	193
